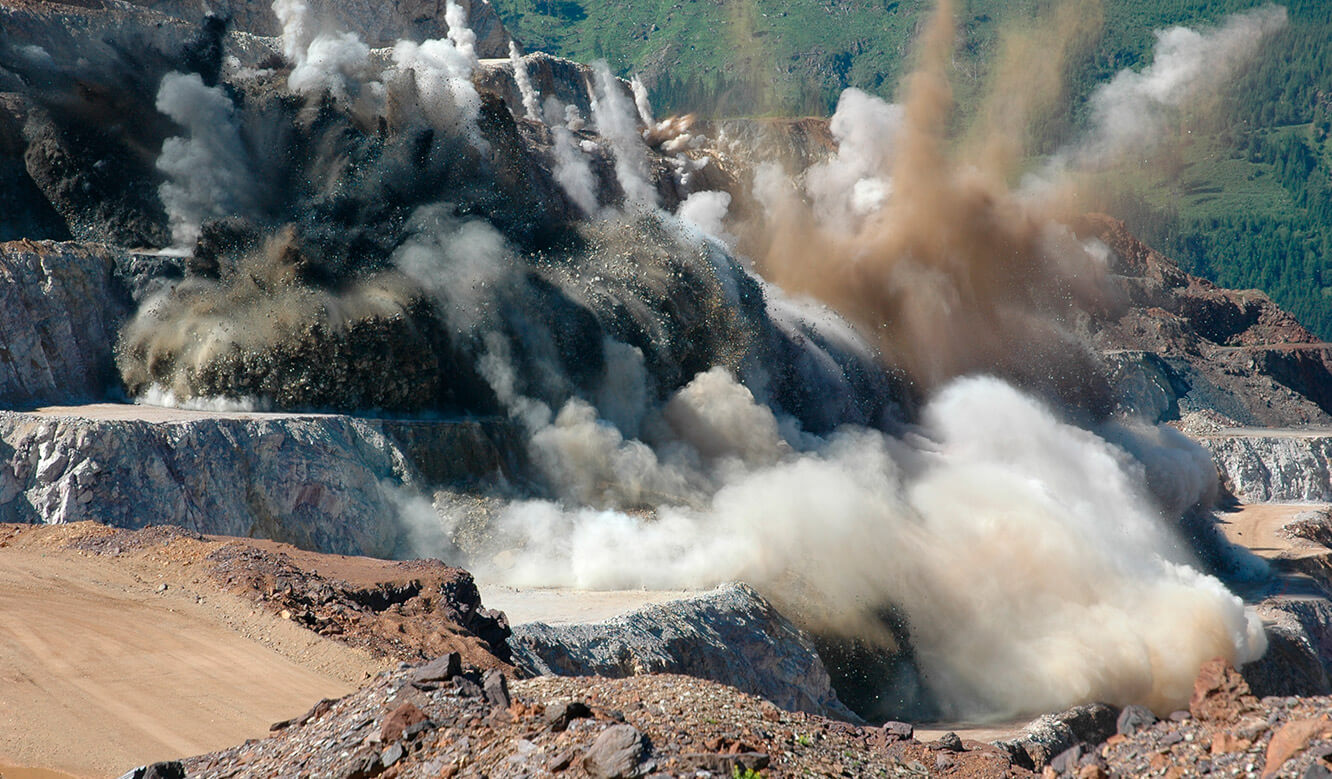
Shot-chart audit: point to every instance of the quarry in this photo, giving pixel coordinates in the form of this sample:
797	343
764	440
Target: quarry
379	399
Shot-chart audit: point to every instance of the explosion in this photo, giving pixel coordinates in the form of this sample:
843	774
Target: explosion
868	393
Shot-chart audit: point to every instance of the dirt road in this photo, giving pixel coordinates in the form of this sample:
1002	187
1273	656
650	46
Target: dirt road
101	669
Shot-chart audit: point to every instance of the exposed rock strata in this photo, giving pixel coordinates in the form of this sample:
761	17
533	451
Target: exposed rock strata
60	308
1180	344
729	635
329	483
1274	466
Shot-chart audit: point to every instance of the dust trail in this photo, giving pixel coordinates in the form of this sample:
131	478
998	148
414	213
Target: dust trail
617	121
573	172
531	104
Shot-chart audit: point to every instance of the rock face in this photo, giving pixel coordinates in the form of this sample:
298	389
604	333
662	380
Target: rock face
60	307
1180	345
1274	466
729	635
328	483
1299	654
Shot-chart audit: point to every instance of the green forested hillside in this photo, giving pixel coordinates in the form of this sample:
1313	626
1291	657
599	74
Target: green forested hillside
1245	198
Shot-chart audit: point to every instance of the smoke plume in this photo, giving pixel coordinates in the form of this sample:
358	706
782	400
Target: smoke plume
337	63
523	80
1131	112
617	122
891	409
208	171
1033	568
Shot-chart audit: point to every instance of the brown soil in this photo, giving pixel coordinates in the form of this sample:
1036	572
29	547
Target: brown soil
119	648
102	671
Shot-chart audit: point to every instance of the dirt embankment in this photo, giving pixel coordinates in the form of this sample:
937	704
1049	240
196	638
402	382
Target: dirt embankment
119	648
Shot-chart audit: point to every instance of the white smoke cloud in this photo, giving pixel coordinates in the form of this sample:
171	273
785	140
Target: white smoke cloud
573	170
208	171
617	122
855	182
337	63
1032	568
156	395
442	71
1130	112
707	211
641	101
524	82
462	263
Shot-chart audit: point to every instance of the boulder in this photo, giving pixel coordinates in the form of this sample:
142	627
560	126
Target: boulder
616	752
1050	735
729	635
1220	693
1134	718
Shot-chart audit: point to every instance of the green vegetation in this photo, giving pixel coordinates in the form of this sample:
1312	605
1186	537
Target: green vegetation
1244	199
1248	204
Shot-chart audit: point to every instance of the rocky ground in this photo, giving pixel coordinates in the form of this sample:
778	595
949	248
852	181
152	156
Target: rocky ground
118	647
439	697
411	723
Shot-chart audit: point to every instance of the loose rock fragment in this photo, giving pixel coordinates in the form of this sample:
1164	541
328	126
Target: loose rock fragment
615	753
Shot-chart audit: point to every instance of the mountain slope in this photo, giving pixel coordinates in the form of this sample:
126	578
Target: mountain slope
1245	200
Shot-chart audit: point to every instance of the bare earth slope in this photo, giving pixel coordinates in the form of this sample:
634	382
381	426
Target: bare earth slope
103	671
119	648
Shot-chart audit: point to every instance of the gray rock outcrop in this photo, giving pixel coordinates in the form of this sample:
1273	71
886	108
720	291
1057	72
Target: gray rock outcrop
1299	653
60	307
1274	466
729	635
329	483
1046	737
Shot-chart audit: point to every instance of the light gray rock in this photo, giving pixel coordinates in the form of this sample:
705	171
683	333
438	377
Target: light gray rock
1274	466
1298	660
60	307
615	753
729	635
331	483
1047	736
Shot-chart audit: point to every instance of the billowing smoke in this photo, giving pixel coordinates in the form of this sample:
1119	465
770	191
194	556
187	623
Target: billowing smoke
337	63
208	171
1132	111
441	70
461	264
890	410
1033	568
708	211
922	240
